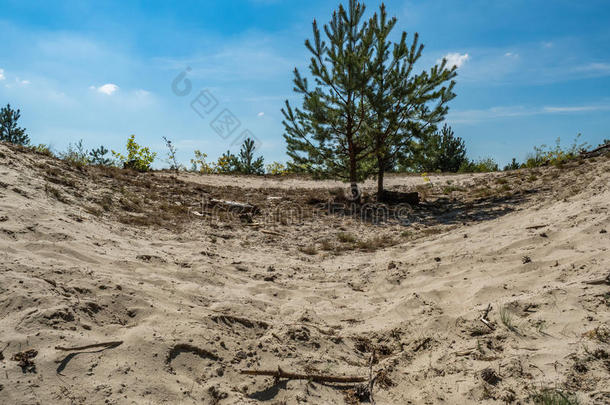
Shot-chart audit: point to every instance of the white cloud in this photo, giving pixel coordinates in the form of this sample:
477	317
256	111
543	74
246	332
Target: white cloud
455	59
2	77
107	88
474	116
576	109
260	114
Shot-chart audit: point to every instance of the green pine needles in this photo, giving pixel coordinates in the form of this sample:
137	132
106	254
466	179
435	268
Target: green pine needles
9	130
366	103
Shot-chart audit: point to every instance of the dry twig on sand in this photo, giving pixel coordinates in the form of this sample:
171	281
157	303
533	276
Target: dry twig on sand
603	281
107	345
536	227
371	378
279	373
271	233
485	320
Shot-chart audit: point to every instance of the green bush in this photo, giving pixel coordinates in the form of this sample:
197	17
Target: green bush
42	149
138	157
544	155
227	163
441	151
199	164
244	163
276	169
484	165
76	154
513	165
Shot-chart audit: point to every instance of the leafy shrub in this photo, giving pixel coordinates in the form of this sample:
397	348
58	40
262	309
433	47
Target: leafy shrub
199	164
484	165
42	149
75	154
227	163
277	169
138	157
554	397
244	163
544	155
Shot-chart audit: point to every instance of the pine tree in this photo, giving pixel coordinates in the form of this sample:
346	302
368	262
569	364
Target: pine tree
246	163
404	106
327	135
452	151
9	131
441	151
97	157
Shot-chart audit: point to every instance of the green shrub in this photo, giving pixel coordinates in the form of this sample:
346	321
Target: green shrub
441	151
76	154
138	157
544	155
277	169
554	397
480	166
513	165
42	149
199	164
244	163
227	163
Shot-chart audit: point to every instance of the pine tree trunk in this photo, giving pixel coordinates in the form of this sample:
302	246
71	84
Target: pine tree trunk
380	184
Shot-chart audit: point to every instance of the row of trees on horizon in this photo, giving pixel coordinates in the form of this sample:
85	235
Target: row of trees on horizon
442	151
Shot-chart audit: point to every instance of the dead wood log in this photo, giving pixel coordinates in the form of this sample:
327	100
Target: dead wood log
279	373
603	281
597	151
397	197
107	345
234	206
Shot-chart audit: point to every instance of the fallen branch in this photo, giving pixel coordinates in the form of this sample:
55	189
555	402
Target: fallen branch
371	378
279	373
536	227
107	345
464	353
271	233
603	281
422	344
235	206
485	320
597	151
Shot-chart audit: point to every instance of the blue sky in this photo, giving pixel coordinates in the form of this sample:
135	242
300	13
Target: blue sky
529	71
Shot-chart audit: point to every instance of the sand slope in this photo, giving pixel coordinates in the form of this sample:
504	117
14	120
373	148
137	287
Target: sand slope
196	304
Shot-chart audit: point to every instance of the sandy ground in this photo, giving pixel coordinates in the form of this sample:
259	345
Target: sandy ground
195	296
